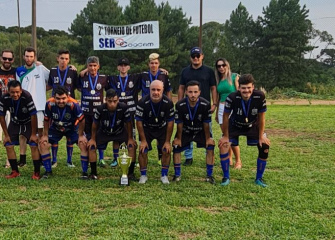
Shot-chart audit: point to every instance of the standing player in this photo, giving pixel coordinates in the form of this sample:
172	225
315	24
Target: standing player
126	87
154	120
34	79
63	117
63	75
23	122
205	76
193	115
244	114
111	122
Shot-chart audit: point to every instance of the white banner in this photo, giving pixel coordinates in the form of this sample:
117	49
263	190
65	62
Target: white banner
143	35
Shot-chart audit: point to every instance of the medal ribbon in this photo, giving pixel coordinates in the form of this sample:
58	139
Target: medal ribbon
112	122
95	81
246	112
153	109
61	115
62	81
156	76
195	109
17	106
123	87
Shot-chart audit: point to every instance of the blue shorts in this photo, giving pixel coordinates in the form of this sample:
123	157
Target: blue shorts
55	136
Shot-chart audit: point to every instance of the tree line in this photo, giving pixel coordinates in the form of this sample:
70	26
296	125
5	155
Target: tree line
271	47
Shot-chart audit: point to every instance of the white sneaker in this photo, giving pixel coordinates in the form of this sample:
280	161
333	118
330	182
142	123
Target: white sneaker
165	180
70	165
143	179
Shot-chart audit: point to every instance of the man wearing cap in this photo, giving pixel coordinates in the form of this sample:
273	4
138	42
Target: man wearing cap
126	88
206	77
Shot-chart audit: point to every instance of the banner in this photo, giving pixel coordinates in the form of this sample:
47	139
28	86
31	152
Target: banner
143	35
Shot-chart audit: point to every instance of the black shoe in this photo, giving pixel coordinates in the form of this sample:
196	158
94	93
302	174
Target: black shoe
47	175
188	162
131	177
21	164
210	179
93	177
176	178
84	176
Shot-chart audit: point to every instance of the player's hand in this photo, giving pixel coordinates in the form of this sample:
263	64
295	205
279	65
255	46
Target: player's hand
92	143
82	140
6	140
43	139
224	142
213	108
210	142
176	142
132	143
166	147
33	138
83	73
73	67
143	146
164	71
264	139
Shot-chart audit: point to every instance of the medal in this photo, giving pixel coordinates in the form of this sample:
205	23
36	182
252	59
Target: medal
16	109
123	94
62	81
246	120
246	111
156	120
95	83
123	86
192	123
60	123
92	92
156	114
15	118
192	116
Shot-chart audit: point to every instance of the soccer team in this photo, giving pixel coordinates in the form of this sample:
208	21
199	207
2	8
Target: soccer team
100	119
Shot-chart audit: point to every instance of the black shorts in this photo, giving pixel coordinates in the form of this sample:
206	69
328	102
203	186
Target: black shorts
102	139
160	135
252	135
88	126
15	130
186	139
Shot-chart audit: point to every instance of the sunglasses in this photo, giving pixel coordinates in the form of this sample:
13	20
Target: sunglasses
195	56
220	65
9	59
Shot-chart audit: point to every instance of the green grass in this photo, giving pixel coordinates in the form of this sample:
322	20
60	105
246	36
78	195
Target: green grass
298	204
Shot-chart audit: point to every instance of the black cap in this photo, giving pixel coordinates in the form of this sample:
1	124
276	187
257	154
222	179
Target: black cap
123	61
196	50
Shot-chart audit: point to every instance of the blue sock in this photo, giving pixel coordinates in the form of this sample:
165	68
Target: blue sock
84	163
69	148
177	169
101	154
165	170
209	168
115	153
261	164
54	150
225	165
143	171
46	162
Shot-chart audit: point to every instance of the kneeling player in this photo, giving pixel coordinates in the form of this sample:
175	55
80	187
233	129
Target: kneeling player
63	117
111	123
193	116
244	114
23	123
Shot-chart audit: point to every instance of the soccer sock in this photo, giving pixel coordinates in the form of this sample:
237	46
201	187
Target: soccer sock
101	154
23	158
69	148
115	153
143	171
13	164
209	168
261	164
177	169
54	150
160	153
47	162
37	165
225	165
84	163
93	168
131	168
165	170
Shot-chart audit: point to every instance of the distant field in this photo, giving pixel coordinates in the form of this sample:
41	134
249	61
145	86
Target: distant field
298	204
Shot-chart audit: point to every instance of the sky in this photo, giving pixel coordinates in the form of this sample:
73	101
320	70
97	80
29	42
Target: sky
59	14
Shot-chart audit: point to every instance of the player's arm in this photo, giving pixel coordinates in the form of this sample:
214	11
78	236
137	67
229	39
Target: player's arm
169	95
92	141
224	140
131	140
261	126
214	98
5	130
140	129
181	92
177	140
33	137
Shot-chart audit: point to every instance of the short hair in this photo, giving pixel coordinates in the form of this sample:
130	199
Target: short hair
60	90
246	79
192	83
111	93
29	49
153	56
7	50
14	84
92	59
63	51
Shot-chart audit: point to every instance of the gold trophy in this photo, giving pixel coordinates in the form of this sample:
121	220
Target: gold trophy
124	162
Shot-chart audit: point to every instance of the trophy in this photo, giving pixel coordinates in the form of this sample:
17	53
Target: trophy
124	162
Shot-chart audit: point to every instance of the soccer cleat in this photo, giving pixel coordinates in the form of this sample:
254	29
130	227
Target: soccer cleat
225	181
210	179
165	180
84	176
260	182
70	165
21	164
93	177
159	162
132	177
36	176
114	163
143	179
188	162
102	163
176	178
47	175
53	164
13	174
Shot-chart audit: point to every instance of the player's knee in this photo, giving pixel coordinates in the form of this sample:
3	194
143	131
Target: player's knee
263	152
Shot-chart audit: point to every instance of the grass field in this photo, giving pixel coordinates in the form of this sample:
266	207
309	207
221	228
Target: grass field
298	204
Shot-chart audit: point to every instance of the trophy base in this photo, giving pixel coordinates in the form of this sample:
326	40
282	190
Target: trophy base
124	181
